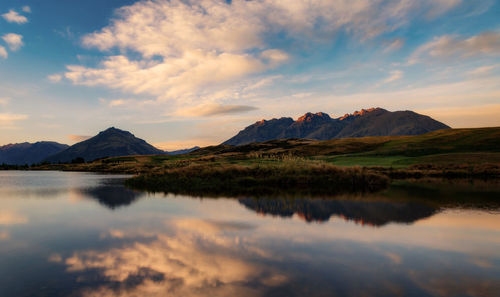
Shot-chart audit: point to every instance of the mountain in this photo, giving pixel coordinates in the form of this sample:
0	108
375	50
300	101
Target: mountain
184	151
262	131
372	213
109	143
320	126
29	153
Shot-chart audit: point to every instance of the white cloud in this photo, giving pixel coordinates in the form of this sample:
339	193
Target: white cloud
450	46
394	75
27	9
191	50
13	17
14	41
55	78
3	52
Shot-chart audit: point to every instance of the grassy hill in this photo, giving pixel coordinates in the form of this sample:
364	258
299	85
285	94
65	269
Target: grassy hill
451	146
310	167
445	148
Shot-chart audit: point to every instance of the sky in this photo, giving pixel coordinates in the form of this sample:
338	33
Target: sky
181	73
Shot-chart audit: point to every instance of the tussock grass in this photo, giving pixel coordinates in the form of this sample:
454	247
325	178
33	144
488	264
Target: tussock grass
265	179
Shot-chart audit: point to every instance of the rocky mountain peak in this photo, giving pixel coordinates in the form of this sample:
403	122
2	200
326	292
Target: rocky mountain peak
309	117
359	113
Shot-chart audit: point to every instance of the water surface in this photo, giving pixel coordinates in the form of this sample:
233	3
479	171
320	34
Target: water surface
77	234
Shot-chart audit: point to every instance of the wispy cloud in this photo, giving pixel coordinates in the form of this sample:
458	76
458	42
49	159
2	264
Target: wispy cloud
482	70
394	76
8	119
14	41
394	45
214	109
55	78
26	9
128	103
452	46
14	17
3	52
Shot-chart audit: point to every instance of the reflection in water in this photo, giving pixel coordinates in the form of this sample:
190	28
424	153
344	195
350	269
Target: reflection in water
204	258
182	246
199	259
112	194
362	212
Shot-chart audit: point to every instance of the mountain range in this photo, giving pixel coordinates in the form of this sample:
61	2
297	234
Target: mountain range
109	143
29	153
320	126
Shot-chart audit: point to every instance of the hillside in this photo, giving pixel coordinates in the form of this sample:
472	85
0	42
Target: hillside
450	146
109	143
320	126
29	153
454	150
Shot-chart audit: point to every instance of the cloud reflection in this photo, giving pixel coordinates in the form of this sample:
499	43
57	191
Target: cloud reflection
200	258
11	218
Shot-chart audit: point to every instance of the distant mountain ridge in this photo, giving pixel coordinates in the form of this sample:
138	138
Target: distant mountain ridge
109	143
29	153
182	151
320	126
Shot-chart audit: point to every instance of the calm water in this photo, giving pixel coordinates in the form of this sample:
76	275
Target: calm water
74	234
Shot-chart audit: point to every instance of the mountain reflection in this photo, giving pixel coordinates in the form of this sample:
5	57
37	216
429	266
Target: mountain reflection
112	194
373	213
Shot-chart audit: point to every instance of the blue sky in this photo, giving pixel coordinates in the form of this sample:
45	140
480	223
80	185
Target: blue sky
182	73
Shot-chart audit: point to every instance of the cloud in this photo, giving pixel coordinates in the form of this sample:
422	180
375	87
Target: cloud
55	78
4	100
55	258
27	9
3	52
127	103
8	119
65	33
13	17
14	41
394	75
452	46
78	138
482	70
186	51
201	256
394	45
214	109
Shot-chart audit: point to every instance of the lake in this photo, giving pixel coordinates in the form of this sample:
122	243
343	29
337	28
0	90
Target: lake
80	234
